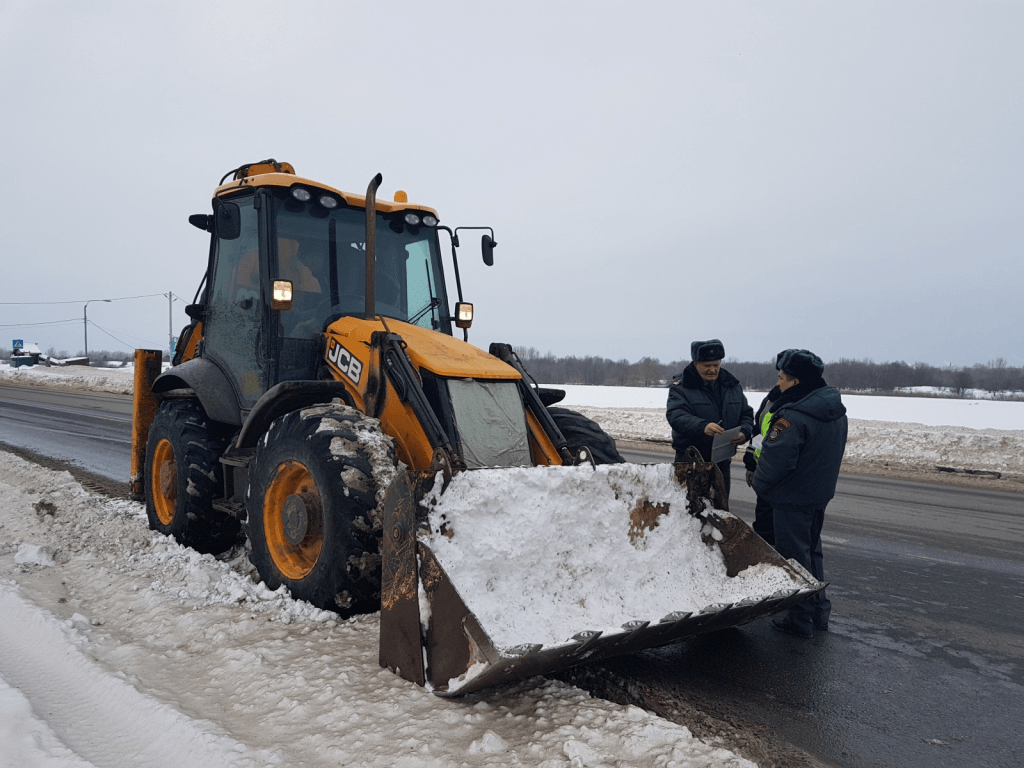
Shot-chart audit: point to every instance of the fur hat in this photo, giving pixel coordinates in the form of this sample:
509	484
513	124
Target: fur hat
800	364
704	351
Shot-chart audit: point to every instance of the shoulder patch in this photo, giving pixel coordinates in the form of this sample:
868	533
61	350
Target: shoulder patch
677	381
775	433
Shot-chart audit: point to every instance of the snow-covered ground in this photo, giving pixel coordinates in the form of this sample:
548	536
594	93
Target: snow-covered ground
120	648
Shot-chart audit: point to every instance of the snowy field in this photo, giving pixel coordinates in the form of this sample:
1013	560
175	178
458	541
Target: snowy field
121	648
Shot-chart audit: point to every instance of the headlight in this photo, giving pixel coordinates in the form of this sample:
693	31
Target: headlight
300	194
429	221
328	202
282	290
412	219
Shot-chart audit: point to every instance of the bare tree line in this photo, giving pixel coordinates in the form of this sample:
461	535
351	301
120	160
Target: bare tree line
996	376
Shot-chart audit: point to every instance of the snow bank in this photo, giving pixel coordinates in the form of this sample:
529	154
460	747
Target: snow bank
118	381
893	442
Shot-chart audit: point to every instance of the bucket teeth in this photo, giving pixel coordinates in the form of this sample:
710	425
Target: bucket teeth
716	608
672	618
632	626
524	650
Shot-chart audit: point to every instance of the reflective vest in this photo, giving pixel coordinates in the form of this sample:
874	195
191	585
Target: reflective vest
766	420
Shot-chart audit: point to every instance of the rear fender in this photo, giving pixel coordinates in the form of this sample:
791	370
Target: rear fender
211	386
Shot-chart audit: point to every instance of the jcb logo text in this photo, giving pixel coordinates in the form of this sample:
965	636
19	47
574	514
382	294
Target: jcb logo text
345	361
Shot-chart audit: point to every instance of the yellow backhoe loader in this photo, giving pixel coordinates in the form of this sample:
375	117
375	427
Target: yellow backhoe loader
320	405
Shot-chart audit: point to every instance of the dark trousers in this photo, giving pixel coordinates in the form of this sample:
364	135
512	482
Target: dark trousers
764	520
798	537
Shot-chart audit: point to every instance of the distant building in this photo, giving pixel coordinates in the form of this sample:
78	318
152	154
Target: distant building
25	353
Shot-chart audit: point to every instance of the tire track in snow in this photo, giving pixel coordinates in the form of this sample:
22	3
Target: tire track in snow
97	716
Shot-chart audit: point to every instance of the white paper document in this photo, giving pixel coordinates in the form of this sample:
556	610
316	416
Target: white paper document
722	447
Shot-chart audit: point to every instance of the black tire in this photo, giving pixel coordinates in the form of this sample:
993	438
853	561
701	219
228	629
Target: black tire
312	509
183	476
581	432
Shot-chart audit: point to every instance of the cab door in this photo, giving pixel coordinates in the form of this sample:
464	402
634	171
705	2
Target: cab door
236	304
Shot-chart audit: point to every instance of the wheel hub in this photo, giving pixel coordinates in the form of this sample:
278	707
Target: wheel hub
295	518
168	479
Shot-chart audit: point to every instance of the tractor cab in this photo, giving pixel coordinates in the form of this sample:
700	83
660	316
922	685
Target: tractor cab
289	256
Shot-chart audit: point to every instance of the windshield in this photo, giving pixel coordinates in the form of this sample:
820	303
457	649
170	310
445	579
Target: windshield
323	253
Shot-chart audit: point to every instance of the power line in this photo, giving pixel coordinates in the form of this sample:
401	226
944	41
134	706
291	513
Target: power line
123	343
120	298
48	322
147	342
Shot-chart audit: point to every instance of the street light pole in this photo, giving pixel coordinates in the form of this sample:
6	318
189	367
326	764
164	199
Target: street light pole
85	323
170	324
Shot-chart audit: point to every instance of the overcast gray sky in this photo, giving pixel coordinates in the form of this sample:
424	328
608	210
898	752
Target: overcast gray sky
845	177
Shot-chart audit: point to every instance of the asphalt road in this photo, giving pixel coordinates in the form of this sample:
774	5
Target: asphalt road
924	661
90	431
923	664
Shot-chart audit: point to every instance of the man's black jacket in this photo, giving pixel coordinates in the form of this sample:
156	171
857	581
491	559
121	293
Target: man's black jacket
804	447
694	403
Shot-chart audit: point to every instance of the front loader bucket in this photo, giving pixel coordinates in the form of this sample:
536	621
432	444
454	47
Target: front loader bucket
509	573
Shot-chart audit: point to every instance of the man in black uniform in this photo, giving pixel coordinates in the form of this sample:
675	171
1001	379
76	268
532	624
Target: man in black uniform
706	400
797	473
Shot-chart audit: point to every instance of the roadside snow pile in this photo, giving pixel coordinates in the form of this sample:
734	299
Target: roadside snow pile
602	568
124	649
897	444
117	381
884	442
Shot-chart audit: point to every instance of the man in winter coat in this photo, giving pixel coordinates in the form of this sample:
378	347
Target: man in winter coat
706	400
798	471
764	525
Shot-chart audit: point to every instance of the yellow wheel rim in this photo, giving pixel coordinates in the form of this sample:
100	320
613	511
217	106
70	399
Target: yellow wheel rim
293	520
164	490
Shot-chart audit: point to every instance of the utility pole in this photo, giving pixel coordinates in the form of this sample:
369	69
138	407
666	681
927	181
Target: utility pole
170	325
85	323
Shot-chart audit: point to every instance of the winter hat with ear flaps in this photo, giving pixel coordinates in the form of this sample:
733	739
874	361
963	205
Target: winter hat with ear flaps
800	364
704	351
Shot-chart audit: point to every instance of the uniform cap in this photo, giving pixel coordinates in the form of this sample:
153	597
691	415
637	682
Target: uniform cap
705	351
800	364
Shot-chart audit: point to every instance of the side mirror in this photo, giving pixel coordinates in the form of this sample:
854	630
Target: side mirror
201	220
487	246
227	221
196	311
